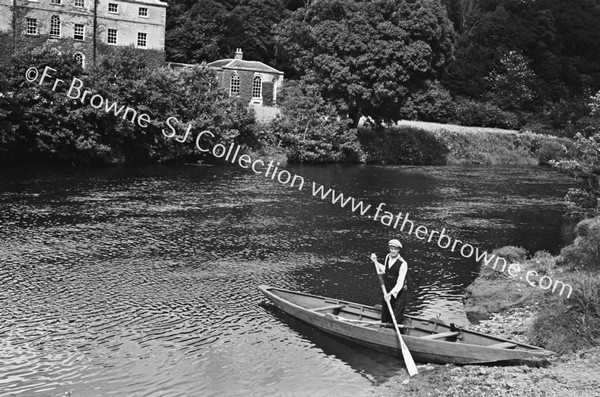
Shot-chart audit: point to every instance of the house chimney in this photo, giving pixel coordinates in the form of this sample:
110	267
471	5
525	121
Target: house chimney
238	53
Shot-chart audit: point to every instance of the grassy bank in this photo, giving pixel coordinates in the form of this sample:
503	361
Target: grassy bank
564	323
479	145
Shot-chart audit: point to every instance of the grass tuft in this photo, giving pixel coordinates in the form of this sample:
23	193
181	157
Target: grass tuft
568	325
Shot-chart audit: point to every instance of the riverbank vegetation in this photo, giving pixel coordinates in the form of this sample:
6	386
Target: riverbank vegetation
563	322
522	66
40	123
528	65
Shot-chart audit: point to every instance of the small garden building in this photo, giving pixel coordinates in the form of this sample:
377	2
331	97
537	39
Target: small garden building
252	81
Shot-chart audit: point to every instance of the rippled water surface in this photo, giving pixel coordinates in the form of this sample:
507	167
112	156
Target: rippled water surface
143	281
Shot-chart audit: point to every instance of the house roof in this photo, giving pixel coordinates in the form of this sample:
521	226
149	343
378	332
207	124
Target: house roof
240	64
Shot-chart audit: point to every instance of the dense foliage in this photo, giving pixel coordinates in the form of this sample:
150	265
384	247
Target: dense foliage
585	198
207	30
44	124
573	323
561	38
368	57
403	145
569	325
309	129
492	63
524	63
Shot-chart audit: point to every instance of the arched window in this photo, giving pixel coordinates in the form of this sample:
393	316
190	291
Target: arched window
55	26
257	87
80	58
234	85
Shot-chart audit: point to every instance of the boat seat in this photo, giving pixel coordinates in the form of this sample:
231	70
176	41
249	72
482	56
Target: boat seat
503	345
441	335
328	307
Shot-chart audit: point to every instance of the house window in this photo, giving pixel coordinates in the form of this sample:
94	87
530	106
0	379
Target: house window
79	3
257	87
141	41
55	2
143	12
55	26
32	27
234	85
112	36
113	8
78	32
80	58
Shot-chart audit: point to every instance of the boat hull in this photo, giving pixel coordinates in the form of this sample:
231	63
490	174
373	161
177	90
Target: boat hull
428	341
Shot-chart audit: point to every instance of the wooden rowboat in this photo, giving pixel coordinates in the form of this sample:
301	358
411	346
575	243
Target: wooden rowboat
428	341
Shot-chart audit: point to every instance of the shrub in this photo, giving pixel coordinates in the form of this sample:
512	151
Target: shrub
594	105
567	112
485	146
47	125
568	325
543	262
585	198
551	150
402	145
511	253
434	103
584	253
309	130
484	114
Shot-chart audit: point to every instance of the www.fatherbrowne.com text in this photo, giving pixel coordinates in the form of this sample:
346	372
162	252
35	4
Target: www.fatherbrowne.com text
271	170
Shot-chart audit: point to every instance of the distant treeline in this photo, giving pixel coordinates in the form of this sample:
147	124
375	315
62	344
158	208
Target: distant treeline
524	65
132	114
494	63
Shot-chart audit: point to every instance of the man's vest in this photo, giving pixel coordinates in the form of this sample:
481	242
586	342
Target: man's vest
390	277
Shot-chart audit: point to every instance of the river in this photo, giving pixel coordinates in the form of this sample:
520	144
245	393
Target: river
142	281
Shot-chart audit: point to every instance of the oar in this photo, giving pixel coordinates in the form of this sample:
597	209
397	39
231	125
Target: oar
408	360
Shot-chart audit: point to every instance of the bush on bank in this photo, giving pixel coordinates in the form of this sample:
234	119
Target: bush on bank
403	145
568	325
309	128
584	253
584	199
484	114
40	124
563	323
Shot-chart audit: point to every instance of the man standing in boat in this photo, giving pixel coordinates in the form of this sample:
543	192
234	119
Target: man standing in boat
394	271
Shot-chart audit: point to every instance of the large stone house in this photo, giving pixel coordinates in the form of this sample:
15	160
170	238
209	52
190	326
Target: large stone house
89	27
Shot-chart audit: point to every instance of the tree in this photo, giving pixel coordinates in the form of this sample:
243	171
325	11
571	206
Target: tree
209	29
512	85
561	38
40	123
585	199
195	35
190	98
310	130
367	57
250	25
